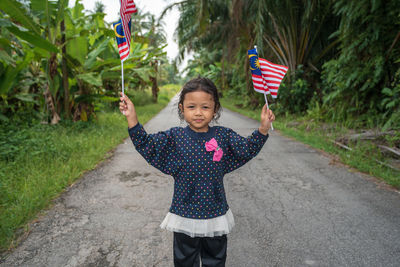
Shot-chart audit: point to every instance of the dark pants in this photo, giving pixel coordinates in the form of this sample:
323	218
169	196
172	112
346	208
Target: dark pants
188	250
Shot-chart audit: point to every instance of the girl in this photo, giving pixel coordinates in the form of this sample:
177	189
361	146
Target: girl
197	156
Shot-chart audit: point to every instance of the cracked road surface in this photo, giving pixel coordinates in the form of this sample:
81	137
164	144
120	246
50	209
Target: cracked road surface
293	206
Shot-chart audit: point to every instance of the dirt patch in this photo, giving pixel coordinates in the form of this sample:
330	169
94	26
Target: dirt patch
130	176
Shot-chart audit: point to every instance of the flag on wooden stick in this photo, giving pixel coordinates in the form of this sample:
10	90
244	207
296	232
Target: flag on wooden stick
122	30
266	76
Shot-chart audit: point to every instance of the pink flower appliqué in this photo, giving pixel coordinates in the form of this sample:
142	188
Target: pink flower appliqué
212	145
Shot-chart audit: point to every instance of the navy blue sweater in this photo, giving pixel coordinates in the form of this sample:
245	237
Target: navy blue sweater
180	152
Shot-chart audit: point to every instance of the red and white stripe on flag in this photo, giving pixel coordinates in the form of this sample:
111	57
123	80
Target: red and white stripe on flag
123	50
258	83
272	75
127	8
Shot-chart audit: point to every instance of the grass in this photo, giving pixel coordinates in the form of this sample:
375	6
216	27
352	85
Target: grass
320	135
38	162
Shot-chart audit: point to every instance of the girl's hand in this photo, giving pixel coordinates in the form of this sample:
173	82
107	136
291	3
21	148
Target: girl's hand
267	117
128	109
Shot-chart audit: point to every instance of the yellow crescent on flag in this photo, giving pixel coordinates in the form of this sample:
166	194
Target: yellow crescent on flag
257	63
116	33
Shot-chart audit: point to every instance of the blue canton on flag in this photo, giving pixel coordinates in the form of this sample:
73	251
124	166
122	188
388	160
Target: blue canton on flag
256	74
123	45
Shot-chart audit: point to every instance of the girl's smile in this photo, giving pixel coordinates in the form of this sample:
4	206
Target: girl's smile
198	110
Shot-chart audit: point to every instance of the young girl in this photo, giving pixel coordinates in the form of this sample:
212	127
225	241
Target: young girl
197	156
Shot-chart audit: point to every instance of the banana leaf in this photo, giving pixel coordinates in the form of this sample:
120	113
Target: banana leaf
90	78
6	58
16	11
99	64
95	53
46	9
9	77
111	75
77	48
27	98
34	39
144	74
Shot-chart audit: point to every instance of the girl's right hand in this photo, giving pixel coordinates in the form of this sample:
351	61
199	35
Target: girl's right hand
128	109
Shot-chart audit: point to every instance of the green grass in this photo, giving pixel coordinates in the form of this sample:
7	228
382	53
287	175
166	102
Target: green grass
38	162
320	135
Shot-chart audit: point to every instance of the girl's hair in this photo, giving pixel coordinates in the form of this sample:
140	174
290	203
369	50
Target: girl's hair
201	84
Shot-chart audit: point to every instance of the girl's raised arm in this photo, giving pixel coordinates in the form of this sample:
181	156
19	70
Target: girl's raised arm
267	117
128	109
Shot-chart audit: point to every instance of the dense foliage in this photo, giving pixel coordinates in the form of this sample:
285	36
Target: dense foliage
59	62
343	56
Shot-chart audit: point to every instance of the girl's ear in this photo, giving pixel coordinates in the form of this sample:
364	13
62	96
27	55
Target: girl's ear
180	108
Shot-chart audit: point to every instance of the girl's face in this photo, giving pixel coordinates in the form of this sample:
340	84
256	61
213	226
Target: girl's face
198	110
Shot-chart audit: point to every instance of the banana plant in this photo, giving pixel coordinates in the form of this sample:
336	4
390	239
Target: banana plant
76	52
43	35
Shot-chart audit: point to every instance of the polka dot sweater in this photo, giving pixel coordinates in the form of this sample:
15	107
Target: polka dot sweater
180	152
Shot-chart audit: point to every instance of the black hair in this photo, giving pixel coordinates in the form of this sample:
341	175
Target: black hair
201	84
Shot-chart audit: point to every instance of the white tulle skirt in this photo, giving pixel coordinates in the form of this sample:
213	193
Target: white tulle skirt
199	227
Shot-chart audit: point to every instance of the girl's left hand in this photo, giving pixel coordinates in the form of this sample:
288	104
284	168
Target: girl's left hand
267	117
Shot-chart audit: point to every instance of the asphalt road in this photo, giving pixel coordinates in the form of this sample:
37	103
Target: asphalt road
293	206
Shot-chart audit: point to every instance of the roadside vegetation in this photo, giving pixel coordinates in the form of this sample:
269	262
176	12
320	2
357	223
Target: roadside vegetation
38	161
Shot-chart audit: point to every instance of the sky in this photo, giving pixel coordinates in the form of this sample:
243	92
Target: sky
153	6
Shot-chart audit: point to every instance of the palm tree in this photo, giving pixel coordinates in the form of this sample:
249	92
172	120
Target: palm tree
152	30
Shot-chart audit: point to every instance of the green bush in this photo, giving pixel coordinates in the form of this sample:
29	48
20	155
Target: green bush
294	97
140	97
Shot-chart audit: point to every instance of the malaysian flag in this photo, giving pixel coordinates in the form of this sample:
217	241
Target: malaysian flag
266	76
127	8
123	45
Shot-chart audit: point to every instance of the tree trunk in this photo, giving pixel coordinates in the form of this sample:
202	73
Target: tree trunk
246	69
154	88
223	71
83	110
55	118
65	72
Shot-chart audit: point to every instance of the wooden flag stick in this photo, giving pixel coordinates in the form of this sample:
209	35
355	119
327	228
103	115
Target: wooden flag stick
122	81
122	78
266	101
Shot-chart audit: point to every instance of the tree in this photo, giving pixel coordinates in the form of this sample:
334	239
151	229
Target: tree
99	7
367	62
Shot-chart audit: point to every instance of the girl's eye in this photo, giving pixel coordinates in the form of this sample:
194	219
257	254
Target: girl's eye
205	107
190	106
